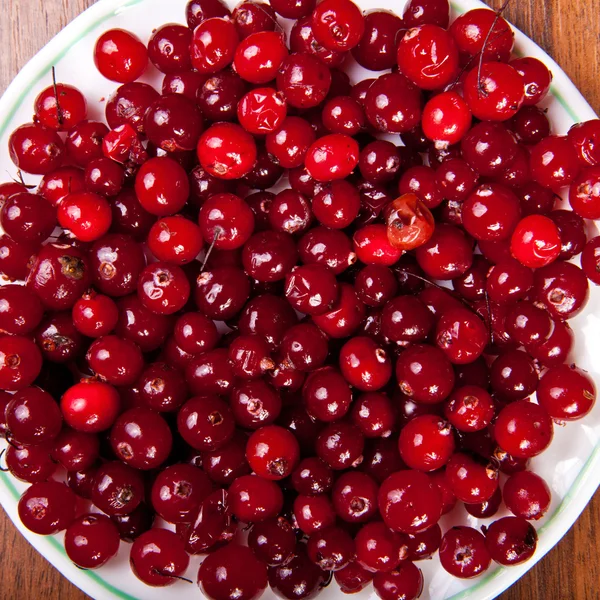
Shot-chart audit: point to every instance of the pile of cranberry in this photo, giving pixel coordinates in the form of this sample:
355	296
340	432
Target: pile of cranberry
383	320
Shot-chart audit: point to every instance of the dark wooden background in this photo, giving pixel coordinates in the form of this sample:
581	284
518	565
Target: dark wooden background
570	31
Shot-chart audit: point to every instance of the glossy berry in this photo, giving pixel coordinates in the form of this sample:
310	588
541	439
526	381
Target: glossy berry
461	335
379	549
178	491
425	374
272	541
162	186
365	365
220	577
463	552
338	24
90	406
91	541
32	416
141	438
20	362
446	118
47	507
409	502
511	540
86	215
299	578
404	582
205	423
120	56
470	478
554	162
272	452
36	149
428	56
259	56
566	392
158	557
117	488
226	151
115	360
175	239
536	241
426	443
253	499
332	157
470	408
393	104
523	429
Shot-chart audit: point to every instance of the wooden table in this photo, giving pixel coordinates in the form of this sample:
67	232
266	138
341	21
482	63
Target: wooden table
570	31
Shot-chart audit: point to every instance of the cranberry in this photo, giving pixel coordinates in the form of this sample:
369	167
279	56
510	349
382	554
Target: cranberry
424	544
421	12
404	582
584	196
166	126
523	429
220	577
168	48
379	161
536	241
489	148
463	552
483	30
332	157
91	540
470	408
425	374
86	215
115	360
36	149
252	16
566	392
27	218
374	414
446	255
393	104
353	578
138	324
205	423
327	246
571	228
365	365
259	56
262	110
128	105
32	416
273	541
428	56
226	151
120	56
162	186
426	443
175	239
289	212
461	335
409	502
312	477
378	549
90	406
47	507
228	462
75	450
373	245
562	288
178	491
20	362
590	260
158	557
554	162
297	579
198	11
511	540
446	118
488	98
471	479
584	138
21	310
536	76
141	438
376	49
32	464
253	499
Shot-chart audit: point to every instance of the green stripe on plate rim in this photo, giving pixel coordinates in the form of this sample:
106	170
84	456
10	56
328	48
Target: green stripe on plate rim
42	72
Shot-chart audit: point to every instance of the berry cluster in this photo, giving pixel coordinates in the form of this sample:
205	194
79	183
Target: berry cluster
384	320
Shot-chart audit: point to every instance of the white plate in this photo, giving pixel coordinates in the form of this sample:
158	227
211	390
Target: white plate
572	464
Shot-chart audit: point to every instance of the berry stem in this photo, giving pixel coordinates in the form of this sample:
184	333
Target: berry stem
59	114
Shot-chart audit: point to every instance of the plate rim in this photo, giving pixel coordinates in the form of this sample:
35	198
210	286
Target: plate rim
489	586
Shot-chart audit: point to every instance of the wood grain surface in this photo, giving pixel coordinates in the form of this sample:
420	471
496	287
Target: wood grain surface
570	31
